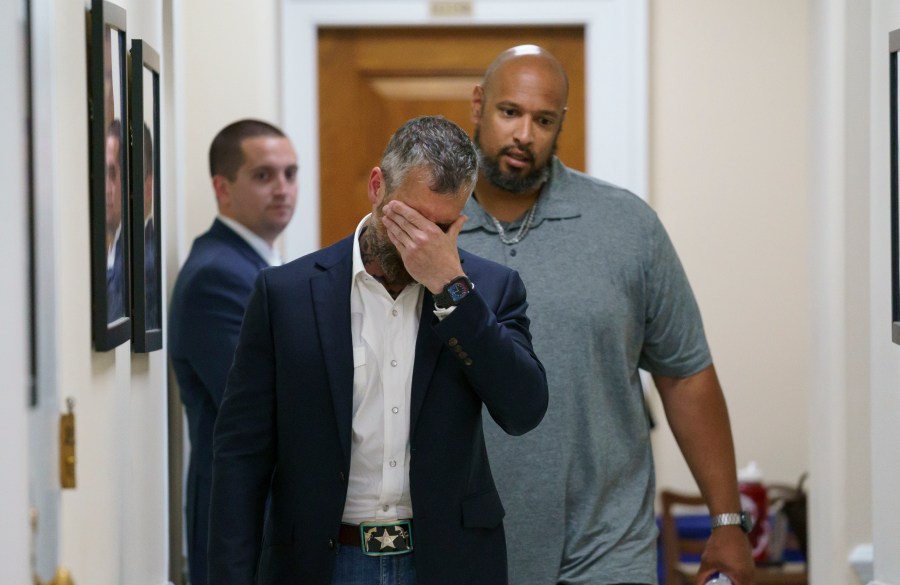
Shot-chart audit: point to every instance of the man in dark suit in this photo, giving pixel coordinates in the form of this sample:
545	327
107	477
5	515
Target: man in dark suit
355	399
116	275
254	175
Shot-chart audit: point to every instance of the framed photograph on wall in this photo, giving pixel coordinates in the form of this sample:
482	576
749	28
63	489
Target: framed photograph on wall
108	119
895	188
146	281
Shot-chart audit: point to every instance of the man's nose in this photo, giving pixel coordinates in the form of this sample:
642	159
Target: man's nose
282	184
524	132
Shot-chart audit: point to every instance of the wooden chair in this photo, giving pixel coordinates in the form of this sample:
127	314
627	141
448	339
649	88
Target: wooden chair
676	546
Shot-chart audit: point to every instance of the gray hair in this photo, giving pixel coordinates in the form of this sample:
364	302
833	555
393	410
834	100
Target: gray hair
439	147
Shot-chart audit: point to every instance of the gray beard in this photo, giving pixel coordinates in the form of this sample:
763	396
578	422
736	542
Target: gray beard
388	256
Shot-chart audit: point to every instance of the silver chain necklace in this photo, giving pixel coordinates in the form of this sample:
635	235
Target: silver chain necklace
523	229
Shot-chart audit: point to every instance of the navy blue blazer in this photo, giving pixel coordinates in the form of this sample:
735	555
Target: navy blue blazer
284	426
208	302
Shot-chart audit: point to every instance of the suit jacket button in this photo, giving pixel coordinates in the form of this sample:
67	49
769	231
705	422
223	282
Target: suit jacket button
453	341
331	543
342	477
468	361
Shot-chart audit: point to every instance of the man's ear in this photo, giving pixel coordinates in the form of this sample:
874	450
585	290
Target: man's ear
477	103
376	187
221	186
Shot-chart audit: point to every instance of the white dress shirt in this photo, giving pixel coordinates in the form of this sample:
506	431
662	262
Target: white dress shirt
259	245
111	252
384	334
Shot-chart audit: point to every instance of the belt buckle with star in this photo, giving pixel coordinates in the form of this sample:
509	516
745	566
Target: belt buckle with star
386	538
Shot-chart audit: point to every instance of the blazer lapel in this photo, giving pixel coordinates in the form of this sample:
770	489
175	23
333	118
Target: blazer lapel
428	346
331	302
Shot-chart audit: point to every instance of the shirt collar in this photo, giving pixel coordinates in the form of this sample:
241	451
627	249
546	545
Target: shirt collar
552	203
358	265
259	245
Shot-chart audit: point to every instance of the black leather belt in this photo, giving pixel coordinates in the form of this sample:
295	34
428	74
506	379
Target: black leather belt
349	534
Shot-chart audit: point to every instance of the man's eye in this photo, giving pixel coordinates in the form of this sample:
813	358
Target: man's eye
262	176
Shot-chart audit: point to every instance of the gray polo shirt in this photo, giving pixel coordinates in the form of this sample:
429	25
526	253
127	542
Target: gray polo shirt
607	295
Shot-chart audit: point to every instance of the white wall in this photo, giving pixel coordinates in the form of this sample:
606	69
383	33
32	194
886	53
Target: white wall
229	72
14	529
113	526
729	159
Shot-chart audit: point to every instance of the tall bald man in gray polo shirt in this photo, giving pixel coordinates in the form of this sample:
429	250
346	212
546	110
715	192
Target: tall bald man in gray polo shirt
607	296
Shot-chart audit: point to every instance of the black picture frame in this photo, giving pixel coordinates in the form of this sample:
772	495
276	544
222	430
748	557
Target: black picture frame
146	284
894	41
110	230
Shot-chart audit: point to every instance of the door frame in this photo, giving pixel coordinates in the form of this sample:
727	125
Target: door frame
14	296
616	56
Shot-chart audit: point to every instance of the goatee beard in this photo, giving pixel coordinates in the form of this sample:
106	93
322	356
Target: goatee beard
490	167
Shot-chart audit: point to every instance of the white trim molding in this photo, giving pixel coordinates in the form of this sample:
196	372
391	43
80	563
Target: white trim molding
860	559
616	72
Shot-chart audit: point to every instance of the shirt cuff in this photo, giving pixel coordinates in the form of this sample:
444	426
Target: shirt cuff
442	314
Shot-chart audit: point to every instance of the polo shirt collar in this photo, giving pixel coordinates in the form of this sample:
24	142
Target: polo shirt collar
552	203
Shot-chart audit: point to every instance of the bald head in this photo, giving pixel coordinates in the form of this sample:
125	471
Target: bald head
518	112
528	56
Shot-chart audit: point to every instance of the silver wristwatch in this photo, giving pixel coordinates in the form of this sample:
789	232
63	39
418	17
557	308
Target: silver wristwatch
741	519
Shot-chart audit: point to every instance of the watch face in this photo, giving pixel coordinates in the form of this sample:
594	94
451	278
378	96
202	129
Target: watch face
746	522
457	291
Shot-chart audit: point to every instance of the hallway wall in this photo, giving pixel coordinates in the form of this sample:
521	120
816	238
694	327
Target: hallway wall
112	528
229	72
729	159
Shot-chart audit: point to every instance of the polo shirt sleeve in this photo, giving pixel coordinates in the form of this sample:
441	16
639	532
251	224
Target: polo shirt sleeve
674	340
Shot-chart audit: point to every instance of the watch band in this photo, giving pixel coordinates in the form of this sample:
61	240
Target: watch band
730	519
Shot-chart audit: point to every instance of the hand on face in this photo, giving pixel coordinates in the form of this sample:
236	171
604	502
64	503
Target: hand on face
429	254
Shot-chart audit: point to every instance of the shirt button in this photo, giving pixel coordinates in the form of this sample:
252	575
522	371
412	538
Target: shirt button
394	363
392	463
512	252
385	508
394	312
395	410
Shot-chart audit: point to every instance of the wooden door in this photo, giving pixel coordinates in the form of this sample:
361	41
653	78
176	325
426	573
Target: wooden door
372	80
